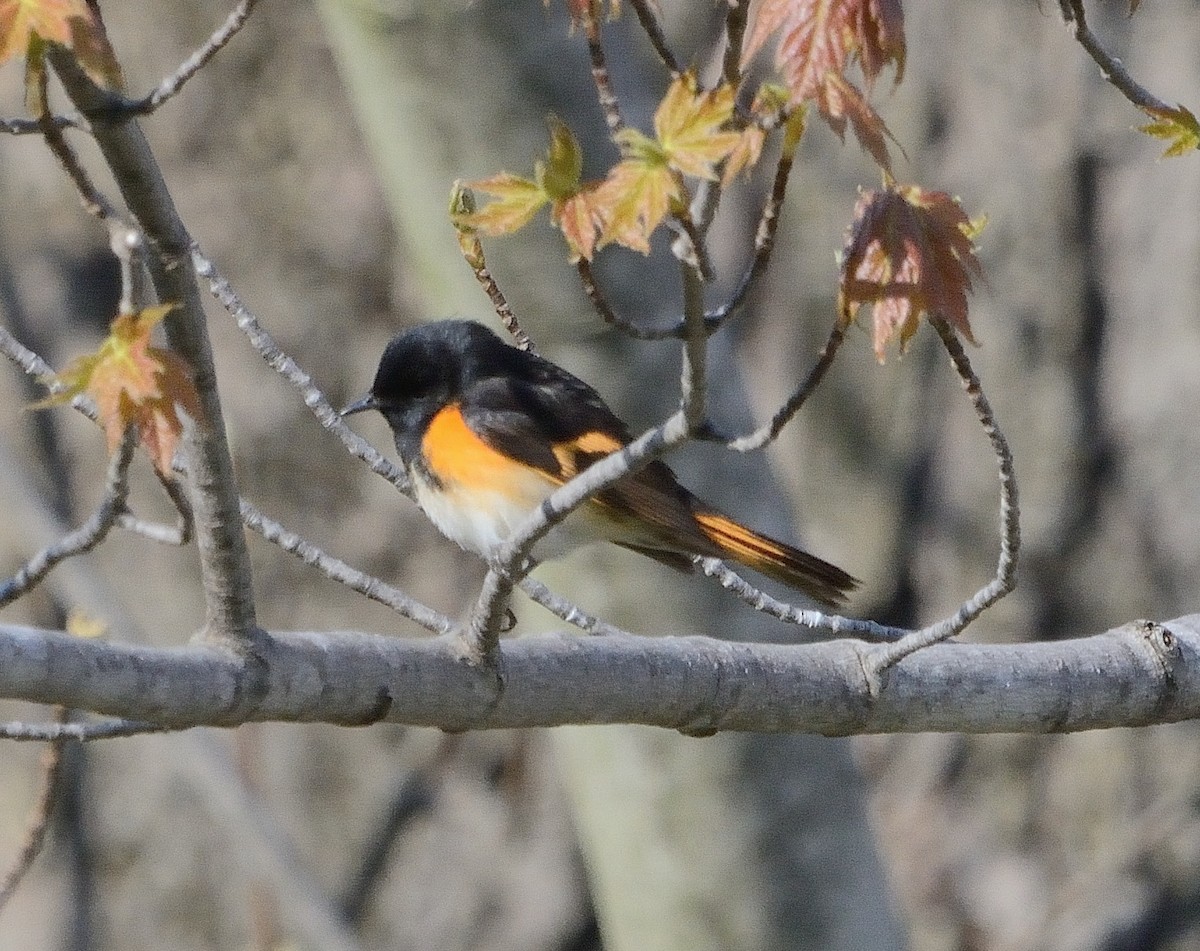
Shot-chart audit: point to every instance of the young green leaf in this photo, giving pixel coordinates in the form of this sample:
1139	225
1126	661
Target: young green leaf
1177	126
690	138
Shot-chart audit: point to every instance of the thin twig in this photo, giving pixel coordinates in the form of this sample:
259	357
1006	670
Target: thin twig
173	83
178	534
88	535
564	609
764	240
735	30
604	90
880	659
94	202
769	431
1111	68
835	624
38	126
610	316
339	571
39	818
462	202
653	29
82	732
286	367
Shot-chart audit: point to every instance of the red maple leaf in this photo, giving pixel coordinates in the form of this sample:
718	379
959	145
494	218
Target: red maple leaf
908	252
821	36
817	41
69	23
134	384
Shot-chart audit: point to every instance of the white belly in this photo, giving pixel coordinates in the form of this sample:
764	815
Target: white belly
482	520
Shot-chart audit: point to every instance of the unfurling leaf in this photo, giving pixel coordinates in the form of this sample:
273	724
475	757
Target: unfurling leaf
634	200
556	182
1177	126
840	100
134	384
69	23
515	201
908	252
769	109
689	139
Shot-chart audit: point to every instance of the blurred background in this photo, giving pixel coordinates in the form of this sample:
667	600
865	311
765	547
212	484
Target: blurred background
311	160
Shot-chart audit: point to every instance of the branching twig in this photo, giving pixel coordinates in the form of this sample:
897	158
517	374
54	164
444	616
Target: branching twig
39	818
604	90
339	571
1111	68
178	534
689	245
88	535
224	562
190	66
94	201
881	658
286	367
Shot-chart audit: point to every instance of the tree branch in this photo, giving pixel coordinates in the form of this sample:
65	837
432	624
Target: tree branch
225	564
1148	673
1111	68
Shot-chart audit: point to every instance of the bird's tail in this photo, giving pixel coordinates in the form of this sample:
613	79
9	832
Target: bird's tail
798	569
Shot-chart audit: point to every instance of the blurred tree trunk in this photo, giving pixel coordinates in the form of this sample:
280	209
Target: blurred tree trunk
733	842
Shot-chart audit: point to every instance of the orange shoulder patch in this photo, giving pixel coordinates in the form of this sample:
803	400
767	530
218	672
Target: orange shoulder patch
455	455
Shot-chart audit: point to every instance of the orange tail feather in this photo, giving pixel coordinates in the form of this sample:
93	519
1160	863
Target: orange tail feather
798	569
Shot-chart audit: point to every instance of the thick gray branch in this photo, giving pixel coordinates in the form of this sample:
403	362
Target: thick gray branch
223	556
1138	674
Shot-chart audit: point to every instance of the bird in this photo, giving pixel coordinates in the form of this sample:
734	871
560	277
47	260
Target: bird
487	431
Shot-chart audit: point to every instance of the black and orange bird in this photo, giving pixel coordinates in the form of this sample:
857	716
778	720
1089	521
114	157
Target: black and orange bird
487	431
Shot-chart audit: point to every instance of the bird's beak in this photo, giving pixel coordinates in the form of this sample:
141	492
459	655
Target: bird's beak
360	405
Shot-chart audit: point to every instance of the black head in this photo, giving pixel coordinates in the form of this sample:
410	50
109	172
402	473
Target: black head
428	366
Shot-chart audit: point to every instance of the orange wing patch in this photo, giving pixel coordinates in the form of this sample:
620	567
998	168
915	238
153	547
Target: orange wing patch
594	443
